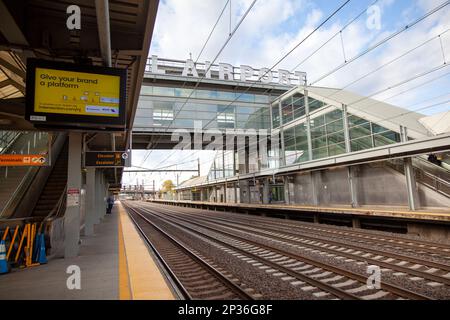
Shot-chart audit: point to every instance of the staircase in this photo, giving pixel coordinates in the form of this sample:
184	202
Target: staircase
433	176
14	180
54	186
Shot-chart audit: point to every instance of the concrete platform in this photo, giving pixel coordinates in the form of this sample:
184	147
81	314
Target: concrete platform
115	263
437	215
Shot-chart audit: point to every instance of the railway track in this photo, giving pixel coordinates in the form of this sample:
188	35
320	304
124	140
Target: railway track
403	265
386	240
421	274
193	275
323	280
368	237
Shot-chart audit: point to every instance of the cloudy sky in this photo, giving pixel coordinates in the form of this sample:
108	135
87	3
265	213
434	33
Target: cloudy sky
273	27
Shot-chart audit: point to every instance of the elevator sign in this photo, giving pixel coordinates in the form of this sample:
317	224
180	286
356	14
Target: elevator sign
20	160
106	159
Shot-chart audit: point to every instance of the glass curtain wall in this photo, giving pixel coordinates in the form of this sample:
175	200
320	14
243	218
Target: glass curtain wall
327	130
224	165
163	106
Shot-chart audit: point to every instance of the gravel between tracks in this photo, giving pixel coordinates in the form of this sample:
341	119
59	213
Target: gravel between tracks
272	287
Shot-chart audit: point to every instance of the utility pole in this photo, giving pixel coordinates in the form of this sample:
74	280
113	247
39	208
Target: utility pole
154	190
198	166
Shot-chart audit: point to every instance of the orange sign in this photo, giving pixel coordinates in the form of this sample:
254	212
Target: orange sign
22	160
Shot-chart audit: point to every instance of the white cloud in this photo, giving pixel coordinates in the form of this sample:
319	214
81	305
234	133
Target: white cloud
273	27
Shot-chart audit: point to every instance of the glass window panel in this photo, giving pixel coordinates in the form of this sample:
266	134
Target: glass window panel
356	121
386	138
246	97
275	115
336	137
318	131
378	129
360	131
186	123
146	90
163	91
289	139
333	115
336	149
224	95
361	143
261	98
317	121
319	142
206	94
179	92
246	110
314	104
320	153
286	110
298	105
335	126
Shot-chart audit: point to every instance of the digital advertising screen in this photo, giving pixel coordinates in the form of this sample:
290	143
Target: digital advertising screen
70	95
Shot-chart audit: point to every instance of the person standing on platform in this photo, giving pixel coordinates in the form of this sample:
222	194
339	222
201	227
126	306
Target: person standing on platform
110	203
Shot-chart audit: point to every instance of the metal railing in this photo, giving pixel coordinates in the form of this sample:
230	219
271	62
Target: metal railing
7	139
20	143
427	173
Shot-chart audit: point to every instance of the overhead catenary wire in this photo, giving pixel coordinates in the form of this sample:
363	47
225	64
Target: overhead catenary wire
283	57
414	23
381	42
267	71
391	87
413	79
211	64
198	56
334	36
389	62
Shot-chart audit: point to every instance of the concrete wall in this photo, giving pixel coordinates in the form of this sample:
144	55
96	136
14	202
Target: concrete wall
377	184
381	185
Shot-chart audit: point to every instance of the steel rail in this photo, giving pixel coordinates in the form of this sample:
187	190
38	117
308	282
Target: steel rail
212	270
388	287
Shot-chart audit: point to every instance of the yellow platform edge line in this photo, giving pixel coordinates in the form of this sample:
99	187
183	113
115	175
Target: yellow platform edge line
124	280
146	281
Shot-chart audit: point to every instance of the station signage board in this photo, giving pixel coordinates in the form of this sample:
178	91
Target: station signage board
106	159
22	160
75	96
73	197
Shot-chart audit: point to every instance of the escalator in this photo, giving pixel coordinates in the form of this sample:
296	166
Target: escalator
54	187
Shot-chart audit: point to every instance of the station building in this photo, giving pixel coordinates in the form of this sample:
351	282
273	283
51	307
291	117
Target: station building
325	146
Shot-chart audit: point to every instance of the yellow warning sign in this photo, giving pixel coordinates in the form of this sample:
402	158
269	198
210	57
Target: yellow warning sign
78	93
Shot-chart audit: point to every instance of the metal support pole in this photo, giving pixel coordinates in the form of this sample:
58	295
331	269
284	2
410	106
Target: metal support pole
348	147
91	214
352	171
265	195
411	186
314	188
287	194
72	215
225	187
308	126
282	153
